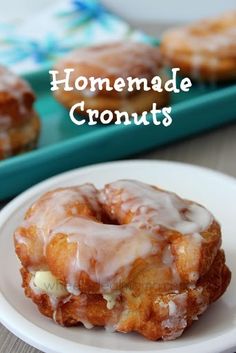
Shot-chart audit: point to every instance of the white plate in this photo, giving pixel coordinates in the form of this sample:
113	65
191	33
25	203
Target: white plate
216	329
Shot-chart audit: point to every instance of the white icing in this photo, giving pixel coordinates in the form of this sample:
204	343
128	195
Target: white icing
81	311
172	308
217	36
177	320
106	252
88	93
169	260
72	289
205	44
15	87
193	276
51	210
121	59
112	247
54	316
54	301
153	207
87	324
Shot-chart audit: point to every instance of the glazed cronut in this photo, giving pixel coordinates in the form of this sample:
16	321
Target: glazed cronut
129	257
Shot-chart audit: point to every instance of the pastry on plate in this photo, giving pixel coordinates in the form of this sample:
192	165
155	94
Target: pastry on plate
128	257
19	124
112	61
203	51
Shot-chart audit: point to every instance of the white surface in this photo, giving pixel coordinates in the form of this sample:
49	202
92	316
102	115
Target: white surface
18	10
141	11
214	332
168	10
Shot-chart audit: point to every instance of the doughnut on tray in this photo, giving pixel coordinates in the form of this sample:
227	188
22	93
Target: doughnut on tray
63	145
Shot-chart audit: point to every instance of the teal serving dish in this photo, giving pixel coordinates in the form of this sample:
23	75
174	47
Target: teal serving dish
64	145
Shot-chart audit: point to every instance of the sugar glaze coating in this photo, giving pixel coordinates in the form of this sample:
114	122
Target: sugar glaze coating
113	246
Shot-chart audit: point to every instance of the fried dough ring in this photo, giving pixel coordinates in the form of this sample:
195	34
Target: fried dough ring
20	139
113	60
164	274
150	313
16	100
203	51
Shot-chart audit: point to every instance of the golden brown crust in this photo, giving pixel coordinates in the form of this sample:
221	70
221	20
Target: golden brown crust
203	51
136	103
148	313
184	252
190	259
121	59
112	60
16	100
20	139
159	294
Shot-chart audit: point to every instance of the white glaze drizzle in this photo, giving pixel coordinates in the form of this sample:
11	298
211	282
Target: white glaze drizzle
217	36
121	59
15	87
81	312
114	248
154	207
177	320
52	209
204	43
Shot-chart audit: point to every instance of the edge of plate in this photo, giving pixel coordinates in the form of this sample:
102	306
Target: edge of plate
224	342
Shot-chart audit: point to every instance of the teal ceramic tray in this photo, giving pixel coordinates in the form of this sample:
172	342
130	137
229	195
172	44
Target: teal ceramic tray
64	146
